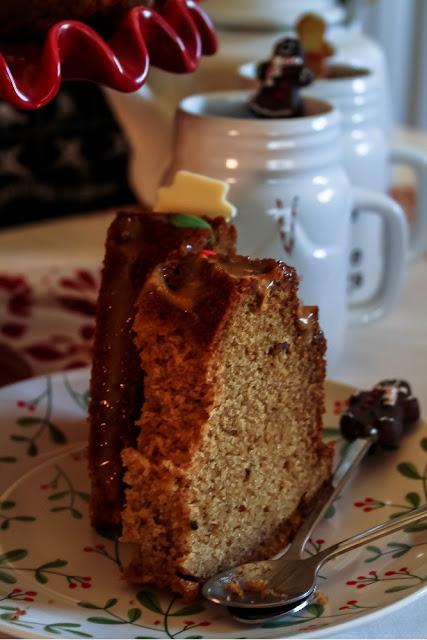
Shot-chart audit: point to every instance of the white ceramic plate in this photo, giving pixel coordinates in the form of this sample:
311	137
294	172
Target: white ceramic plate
59	578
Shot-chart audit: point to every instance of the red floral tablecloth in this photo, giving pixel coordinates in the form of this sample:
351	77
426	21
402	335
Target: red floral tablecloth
46	321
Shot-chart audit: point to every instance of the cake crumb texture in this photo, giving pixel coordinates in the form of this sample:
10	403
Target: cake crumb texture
230	451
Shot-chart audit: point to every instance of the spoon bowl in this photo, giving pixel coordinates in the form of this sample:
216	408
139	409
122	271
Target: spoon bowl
263	584
259	616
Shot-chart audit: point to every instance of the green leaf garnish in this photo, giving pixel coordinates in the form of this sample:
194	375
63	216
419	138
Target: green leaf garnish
189	222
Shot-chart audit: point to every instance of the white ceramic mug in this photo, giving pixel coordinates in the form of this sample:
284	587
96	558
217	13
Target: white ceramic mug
294	199
366	157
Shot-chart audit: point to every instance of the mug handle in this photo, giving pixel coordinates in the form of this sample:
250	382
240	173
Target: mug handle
417	160
395	253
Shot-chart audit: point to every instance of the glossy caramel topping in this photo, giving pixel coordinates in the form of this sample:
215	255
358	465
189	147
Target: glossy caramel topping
243	267
307	318
260	274
183	283
136	243
308	324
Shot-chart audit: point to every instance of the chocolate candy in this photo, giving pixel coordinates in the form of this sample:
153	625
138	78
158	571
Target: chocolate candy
390	407
281	79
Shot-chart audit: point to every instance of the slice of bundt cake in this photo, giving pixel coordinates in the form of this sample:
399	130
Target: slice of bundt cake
230	449
136	242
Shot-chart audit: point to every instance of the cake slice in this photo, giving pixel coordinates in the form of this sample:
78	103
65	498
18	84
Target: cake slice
230	450
136	242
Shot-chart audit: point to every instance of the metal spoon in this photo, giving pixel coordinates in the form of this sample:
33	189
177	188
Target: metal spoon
295	579
267	614
259	616
216	588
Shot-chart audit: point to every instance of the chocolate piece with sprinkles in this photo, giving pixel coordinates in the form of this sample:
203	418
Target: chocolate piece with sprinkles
389	406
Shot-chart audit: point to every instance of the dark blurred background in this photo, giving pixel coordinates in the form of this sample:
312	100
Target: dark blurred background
65	158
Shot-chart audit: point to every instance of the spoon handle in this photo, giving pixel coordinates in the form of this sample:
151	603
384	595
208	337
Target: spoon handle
354	454
379	531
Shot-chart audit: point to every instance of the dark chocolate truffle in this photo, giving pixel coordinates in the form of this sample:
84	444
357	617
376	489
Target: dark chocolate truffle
389	407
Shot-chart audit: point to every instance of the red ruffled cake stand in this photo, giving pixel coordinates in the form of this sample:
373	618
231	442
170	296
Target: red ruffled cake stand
172	38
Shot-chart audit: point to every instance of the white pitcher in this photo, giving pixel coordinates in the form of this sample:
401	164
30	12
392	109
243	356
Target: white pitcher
294	199
366	157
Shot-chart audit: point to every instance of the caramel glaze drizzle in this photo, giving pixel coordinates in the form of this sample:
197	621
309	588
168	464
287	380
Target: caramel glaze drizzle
307	321
136	243
307	316
183	284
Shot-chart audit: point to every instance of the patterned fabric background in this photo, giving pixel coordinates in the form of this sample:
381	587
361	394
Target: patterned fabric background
68	157
46	321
